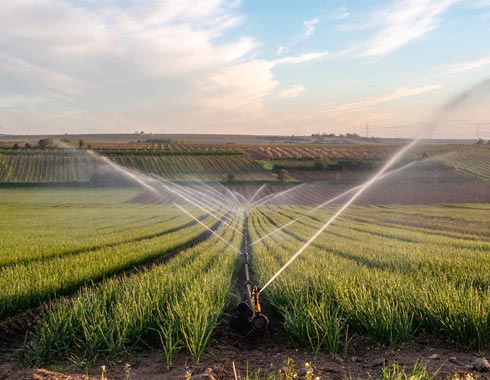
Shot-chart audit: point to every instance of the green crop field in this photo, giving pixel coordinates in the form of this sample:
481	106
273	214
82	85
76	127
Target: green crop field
152	249
174	305
52	248
387	273
244	190
383	272
79	166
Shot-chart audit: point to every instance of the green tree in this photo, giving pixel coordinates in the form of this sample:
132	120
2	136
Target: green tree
45	143
322	164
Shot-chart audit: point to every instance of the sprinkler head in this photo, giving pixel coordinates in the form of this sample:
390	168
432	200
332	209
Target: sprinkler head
259	322
255	298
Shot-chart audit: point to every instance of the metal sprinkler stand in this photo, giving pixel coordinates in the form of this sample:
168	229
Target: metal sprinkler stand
249	309
258	321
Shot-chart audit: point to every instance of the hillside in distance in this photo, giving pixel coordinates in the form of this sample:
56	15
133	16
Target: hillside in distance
436	173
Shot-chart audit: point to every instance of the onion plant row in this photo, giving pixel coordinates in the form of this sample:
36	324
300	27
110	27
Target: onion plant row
49	232
173	306
382	282
26	285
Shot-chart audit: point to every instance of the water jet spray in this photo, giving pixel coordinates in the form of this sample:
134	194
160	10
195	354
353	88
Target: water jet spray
446	109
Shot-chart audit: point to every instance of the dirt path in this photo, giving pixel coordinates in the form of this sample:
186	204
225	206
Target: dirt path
269	354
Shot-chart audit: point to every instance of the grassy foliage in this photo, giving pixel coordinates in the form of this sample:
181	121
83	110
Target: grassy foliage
49	250
176	305
385	272
383	281
397	372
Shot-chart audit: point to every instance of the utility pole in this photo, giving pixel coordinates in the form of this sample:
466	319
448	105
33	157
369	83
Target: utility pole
367	130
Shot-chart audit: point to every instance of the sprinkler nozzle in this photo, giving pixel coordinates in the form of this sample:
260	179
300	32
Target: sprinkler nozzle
255	298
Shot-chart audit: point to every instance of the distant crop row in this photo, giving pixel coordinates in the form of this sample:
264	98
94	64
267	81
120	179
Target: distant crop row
46	168
62	167
470	162
281	152
472	153
170	151
189	167
171	306
383	282
61	266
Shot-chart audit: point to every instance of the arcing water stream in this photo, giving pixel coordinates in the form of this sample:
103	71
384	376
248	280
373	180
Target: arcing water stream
337	197
363	188
206	227
202	200
450	106
151	184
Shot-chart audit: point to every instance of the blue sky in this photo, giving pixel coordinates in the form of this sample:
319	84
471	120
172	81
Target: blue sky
237	67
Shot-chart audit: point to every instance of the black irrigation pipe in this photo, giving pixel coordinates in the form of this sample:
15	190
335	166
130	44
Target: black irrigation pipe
258	321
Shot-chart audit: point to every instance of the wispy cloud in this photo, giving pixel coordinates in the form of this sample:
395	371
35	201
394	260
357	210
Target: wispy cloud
468	65
310	27
50	78
309	30
404	22
340	13
368	103
293	91
306	57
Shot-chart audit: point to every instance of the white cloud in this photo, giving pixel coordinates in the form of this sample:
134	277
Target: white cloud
105	59
310	27
151	65
293	91
404	22
240	86
339	14
306	57
468	65
368	103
